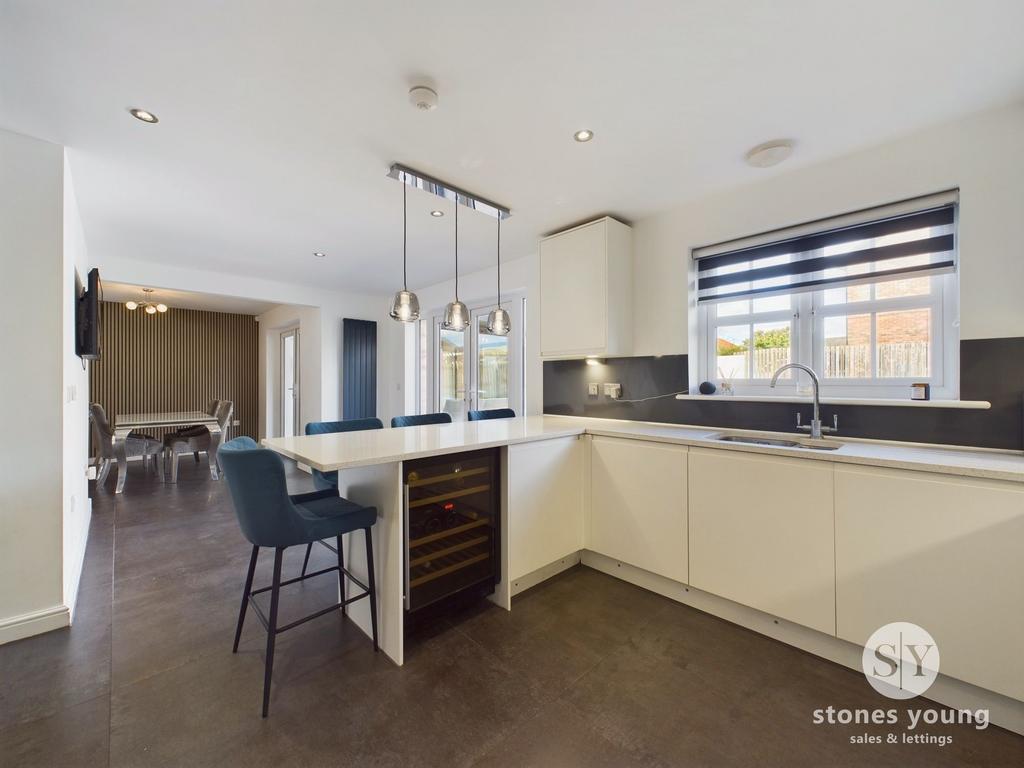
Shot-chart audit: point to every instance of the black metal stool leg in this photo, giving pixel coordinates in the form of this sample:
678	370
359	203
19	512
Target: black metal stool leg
272	628
341	575
371	581
245	596
305	561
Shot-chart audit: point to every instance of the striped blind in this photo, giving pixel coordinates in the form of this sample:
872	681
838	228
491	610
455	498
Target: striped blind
911	239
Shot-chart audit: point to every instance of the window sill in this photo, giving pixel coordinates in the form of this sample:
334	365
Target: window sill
978	405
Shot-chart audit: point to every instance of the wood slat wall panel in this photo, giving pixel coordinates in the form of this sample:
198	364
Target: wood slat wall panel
176	361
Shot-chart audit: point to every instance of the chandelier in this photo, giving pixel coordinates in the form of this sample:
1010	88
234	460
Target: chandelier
147	304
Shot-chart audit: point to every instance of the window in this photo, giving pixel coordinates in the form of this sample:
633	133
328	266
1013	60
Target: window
866	300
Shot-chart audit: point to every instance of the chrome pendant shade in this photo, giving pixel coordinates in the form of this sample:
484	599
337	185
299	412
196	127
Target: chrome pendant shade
456	314
498	321
405	306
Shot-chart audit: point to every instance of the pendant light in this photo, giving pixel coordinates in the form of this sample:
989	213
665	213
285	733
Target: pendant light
456	315
498	321
405	307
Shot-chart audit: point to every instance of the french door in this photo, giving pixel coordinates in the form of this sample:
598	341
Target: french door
475	370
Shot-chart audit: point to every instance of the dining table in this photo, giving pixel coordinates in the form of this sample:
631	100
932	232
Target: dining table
125	423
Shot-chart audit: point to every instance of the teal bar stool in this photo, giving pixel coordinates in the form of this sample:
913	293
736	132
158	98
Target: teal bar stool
270	518
328	481
494	413
419	420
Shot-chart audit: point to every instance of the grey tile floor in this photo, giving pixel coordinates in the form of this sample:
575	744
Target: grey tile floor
585	671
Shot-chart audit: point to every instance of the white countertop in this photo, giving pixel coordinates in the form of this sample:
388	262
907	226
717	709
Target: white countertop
381	446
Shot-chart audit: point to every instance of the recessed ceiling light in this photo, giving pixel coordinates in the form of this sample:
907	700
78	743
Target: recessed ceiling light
319	254
143	115
583	136
437	214
770	153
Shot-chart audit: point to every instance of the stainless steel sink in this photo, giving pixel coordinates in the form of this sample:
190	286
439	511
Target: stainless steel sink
809	443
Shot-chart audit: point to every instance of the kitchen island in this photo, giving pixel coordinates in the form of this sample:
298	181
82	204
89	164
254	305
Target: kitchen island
799	544
369	465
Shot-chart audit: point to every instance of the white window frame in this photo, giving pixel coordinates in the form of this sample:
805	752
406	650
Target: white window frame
807	314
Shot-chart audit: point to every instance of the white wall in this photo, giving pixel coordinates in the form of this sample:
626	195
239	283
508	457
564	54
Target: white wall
77	504
272	323
31	581
982	155
390	390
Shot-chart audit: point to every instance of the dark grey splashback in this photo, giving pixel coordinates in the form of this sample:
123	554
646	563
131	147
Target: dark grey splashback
990	369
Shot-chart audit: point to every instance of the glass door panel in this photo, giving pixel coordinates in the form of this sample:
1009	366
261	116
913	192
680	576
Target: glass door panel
451	367
492	385
290	383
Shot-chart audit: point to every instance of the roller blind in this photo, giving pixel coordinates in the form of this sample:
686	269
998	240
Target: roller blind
891	243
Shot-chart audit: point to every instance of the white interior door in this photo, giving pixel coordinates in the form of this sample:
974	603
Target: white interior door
475	370
290	382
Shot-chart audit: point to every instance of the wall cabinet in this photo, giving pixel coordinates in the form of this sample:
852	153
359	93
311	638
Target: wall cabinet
638	504
545	502
586	291
941	552
762	533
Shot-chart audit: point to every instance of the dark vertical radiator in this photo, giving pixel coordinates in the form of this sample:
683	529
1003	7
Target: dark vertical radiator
359	368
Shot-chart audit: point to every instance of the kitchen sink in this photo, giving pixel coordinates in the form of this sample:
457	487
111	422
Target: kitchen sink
779	442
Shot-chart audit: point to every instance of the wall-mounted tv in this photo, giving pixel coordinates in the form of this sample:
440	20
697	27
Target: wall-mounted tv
87	319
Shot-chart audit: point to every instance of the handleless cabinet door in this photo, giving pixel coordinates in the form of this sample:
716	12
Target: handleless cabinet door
762	533
545	492
574	291
638	504
941	552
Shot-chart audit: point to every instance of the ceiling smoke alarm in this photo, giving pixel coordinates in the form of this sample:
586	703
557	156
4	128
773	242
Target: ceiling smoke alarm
770	153
423	98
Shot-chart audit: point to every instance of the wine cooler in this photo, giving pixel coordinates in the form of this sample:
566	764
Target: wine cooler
452	522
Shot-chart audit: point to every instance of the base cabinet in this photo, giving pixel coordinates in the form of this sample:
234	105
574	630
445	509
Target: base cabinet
545	503
943	553
638	504
762	533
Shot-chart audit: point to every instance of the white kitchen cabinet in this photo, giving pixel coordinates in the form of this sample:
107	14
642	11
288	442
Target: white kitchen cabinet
586	291
545	502
941	552
762	533
638	504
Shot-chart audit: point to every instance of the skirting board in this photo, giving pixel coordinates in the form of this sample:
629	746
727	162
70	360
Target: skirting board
523	583
1003	711
35	623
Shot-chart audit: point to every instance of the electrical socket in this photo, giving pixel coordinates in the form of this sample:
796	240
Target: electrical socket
614	391
593	389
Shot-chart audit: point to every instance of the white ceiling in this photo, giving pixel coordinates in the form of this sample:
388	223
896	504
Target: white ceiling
278	120
185	299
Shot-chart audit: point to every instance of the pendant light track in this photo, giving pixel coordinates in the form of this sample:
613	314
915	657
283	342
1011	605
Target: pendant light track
441	188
